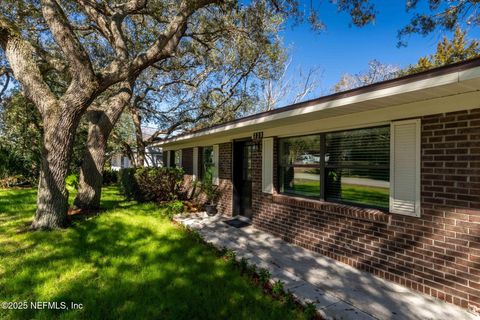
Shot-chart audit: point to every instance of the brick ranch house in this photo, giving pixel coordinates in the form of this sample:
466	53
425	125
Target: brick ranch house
385	178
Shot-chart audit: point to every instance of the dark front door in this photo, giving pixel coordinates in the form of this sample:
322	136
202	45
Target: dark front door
242	170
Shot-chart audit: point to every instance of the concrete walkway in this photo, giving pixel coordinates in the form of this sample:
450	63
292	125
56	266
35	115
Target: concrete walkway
337	290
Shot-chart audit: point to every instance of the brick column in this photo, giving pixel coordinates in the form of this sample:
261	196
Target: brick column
225	186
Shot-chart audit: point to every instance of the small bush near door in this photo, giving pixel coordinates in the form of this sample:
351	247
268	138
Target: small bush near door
152	184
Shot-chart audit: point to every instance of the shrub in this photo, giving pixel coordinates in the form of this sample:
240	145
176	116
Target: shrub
159	184
127	183
243	265
252	270
17	169
277	288
174	207
290	299
14	181
152	184
110	177
264	276
310	311
230	255
210	190
222	251
71	182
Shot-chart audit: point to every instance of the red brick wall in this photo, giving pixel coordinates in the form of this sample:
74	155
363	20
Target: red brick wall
225	176
437	253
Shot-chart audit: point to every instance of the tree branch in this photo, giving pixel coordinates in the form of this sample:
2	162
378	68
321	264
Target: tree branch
5	85
110	28
81	69
162	48
117	103
130	7
19	53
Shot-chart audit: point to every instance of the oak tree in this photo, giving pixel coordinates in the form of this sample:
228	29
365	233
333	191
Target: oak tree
89	46
36	35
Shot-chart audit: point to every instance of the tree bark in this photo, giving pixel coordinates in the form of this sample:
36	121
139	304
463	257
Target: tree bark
128	150
141	146
91	177
52	198
100	125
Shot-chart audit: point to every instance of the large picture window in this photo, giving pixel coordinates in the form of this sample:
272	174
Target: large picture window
348	166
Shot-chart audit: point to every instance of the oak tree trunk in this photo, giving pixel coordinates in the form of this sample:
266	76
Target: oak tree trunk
52	198
100	125
91	170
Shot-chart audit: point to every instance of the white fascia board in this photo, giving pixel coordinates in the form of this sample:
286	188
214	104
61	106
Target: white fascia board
469	74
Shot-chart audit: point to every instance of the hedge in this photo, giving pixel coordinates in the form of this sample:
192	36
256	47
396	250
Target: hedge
151	184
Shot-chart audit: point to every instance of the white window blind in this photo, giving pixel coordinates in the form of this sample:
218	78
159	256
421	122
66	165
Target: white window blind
405	167
267	165
195	164
216	179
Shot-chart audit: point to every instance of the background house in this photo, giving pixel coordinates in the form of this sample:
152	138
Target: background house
153	158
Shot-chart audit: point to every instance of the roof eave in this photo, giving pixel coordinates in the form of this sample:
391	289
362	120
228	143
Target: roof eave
444	76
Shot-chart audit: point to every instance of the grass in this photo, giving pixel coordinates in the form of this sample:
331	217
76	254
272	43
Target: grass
131	262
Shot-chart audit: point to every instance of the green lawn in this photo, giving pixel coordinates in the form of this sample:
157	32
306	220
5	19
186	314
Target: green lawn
129	263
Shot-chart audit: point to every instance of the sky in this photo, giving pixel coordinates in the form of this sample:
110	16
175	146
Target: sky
342	48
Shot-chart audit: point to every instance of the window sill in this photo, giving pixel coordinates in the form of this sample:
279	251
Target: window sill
366	214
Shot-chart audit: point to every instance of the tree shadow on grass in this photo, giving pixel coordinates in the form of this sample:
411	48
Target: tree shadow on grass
127	264
17	201
17	207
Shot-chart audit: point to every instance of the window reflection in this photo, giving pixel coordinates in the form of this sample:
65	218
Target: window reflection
301	181
207	164
300	151
357	169
300	166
